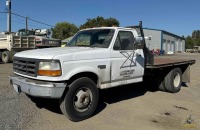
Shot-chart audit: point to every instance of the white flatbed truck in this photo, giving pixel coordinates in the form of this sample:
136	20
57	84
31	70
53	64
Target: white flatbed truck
95	58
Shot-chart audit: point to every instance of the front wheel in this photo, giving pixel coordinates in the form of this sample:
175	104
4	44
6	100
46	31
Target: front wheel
80	100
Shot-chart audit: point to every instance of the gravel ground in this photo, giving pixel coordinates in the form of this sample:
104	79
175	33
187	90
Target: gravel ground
127	107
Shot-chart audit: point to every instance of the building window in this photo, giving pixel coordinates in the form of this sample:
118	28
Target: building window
168	41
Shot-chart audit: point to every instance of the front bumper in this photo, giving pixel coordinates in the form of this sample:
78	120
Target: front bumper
37	88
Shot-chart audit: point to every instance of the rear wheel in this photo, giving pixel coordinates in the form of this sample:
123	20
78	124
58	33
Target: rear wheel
173	80
5	56
80	100
161	86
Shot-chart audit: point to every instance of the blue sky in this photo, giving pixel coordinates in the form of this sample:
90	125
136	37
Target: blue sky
180	17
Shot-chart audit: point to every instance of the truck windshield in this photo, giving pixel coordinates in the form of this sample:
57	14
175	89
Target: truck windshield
93	38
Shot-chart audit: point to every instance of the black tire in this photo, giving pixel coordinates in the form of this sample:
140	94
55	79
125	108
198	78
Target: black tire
5	56
159	79
80	100
161	86
173	80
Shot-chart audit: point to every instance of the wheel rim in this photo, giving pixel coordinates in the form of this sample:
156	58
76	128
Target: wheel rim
82	99
177	79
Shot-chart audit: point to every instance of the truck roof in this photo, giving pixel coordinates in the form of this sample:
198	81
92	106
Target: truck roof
116	28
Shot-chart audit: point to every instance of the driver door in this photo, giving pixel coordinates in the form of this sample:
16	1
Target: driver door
127	63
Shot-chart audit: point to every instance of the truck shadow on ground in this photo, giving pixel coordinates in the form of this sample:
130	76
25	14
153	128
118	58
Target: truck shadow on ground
122	93
184	84
108	96
49	104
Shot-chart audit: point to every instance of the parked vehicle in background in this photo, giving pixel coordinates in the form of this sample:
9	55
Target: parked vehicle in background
189	50
195	49
96	58
24	40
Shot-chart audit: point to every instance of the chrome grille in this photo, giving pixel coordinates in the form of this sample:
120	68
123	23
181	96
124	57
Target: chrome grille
25	66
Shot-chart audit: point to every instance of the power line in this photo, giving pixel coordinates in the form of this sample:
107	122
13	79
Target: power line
18	18
19	12
23	24
3	12
40	22
33	20
18	15
30	19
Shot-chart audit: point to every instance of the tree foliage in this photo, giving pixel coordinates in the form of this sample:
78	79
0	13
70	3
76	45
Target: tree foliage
99	22
64	30
189	42
193	40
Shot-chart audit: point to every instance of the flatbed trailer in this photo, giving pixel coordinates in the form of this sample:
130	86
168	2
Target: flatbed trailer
160	62
162	72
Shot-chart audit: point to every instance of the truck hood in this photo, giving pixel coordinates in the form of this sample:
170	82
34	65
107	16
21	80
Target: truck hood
65	53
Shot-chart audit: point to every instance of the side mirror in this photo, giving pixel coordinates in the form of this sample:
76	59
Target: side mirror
138	42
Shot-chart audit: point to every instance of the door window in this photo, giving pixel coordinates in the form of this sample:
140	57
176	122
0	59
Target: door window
124	41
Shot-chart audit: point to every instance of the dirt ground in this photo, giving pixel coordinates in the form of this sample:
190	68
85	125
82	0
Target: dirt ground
124	108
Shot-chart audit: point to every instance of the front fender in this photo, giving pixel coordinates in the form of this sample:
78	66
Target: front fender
68	73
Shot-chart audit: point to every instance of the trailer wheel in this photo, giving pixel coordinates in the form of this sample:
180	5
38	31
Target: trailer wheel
5	57
173	80
80	100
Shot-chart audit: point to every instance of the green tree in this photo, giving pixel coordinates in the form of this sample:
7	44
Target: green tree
196	37
64	30
99	22
193	40
189	42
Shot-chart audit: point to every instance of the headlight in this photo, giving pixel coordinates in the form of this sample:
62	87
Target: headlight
51	68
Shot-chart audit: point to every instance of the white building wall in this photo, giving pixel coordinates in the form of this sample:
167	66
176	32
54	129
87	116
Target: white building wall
168	43
179	45
164	41
155	42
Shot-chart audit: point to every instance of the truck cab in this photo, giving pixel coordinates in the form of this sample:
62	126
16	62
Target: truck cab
119	62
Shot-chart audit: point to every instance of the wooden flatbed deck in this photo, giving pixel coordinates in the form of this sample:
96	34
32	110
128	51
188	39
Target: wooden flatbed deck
160	62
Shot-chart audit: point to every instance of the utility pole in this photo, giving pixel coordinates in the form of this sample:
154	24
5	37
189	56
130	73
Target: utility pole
8	4
26	25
